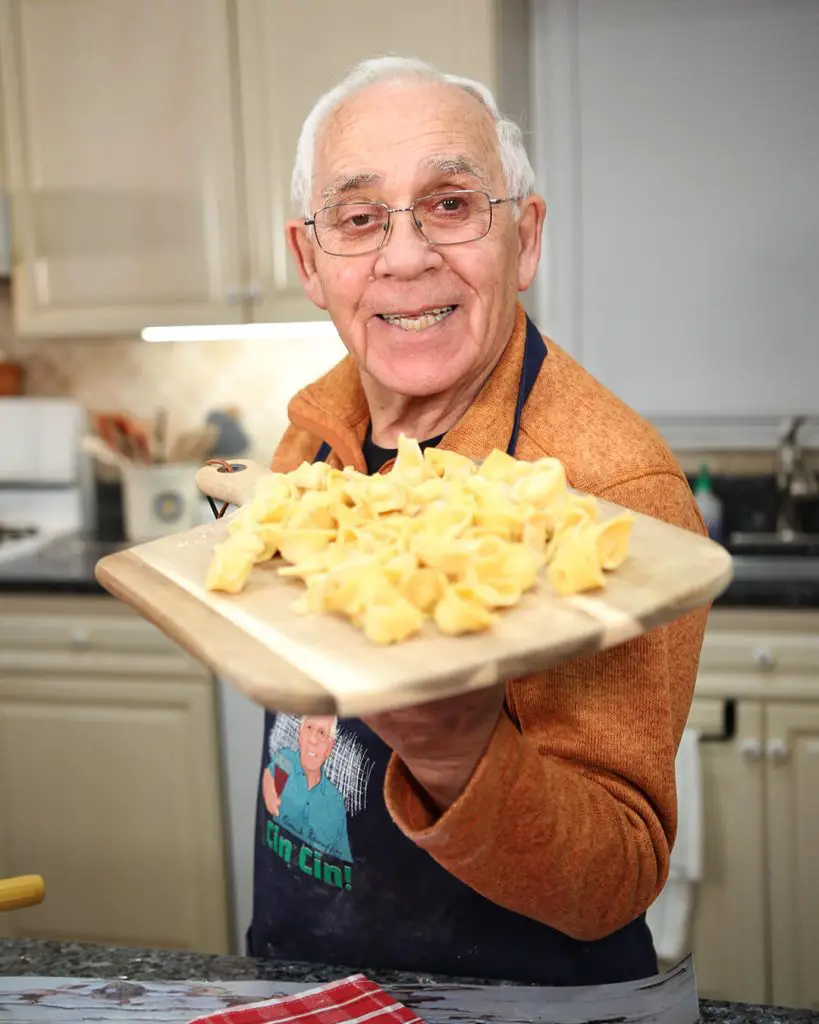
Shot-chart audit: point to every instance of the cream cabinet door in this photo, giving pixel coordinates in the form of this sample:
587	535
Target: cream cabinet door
289	54
793	827
729	921
122	161
109	788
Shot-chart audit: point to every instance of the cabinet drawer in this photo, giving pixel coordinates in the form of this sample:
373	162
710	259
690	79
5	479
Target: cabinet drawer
85	634
761	647
82	633
174	664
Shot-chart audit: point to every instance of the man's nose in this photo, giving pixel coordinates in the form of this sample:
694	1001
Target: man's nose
406	253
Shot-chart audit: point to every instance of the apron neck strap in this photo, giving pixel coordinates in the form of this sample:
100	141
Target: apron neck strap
534	352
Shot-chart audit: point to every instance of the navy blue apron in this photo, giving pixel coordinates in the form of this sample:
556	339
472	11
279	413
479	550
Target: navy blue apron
336	882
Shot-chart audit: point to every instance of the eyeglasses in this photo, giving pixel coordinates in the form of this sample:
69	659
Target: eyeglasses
445	218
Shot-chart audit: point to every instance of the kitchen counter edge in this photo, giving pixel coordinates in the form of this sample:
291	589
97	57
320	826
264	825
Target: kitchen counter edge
25	957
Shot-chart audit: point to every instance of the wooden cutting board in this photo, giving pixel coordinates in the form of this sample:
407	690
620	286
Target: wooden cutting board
318	663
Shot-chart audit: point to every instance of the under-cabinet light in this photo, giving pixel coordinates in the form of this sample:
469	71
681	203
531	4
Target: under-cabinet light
308	330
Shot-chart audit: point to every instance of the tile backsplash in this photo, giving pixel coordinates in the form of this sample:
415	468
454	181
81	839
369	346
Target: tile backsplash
188	379
256	377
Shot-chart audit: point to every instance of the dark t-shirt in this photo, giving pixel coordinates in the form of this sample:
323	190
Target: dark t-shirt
375	456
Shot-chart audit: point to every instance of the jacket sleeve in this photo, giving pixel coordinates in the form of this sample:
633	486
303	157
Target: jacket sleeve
570	816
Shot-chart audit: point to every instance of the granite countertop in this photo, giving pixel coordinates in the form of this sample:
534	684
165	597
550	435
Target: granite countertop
62	960
65	566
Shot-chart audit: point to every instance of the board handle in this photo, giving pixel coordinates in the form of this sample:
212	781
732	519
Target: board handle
234	486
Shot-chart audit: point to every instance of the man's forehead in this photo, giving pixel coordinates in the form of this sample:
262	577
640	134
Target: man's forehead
318	722
421	127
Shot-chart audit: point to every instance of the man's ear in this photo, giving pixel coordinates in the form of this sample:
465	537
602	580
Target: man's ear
304	254
530	234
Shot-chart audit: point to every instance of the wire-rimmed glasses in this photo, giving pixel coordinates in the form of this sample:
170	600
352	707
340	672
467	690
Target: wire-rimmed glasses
443	218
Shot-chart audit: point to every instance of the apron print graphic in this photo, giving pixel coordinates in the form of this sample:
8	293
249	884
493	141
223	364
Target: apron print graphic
316	777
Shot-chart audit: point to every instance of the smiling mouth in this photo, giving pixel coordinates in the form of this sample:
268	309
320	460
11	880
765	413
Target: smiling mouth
420	321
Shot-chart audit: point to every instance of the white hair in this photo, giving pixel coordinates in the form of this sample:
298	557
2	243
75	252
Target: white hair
333	723
517	169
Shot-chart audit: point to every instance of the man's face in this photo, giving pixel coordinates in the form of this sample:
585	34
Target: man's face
315	741
392	143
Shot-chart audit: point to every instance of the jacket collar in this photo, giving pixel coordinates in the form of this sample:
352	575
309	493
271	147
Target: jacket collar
335	408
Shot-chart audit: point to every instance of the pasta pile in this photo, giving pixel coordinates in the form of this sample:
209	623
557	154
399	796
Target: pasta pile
437	537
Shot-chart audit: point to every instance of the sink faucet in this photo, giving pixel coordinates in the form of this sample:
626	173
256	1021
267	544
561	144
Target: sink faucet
794	478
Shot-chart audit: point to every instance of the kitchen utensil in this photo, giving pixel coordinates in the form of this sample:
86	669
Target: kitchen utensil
21	891
137	440
109	431
321	663
231	440
123	435
161	436
102	452
194	445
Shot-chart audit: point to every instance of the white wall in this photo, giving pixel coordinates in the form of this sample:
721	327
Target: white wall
677	144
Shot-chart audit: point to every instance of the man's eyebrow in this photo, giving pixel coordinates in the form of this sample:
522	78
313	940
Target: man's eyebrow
343	184
445	164
455	165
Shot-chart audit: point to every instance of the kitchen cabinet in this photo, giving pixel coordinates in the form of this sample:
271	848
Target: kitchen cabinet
122	164
755	929
151	145
728	929
109	779
792	782
677	145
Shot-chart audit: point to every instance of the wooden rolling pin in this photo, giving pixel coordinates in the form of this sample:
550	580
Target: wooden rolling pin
22	891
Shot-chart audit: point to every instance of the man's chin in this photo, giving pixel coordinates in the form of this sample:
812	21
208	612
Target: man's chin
415	379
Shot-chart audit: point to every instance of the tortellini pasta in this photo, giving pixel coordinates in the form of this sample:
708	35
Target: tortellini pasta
438	538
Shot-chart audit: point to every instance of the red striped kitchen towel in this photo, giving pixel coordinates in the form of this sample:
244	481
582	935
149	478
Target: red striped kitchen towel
350	1000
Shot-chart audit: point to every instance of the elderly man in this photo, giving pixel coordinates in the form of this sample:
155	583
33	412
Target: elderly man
521	831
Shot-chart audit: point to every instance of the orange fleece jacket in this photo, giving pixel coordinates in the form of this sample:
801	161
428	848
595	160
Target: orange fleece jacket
571	814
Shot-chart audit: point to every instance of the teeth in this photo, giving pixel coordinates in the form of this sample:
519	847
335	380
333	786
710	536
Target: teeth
419	323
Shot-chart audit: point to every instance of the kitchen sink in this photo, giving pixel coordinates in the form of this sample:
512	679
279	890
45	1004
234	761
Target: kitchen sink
774	545
776	569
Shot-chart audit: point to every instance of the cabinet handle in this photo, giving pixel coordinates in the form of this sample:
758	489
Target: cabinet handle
764	658
80	639
253	293
751	749
777	751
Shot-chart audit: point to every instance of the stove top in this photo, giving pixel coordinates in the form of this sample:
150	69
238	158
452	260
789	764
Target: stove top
20	539
9	533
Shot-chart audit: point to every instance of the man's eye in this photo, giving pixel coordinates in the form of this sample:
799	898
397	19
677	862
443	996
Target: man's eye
358	221
449	206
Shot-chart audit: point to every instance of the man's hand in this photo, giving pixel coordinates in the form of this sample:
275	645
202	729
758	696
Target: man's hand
272	800
442	742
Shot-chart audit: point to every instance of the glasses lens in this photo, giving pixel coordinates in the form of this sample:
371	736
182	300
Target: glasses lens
450	217
351	228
